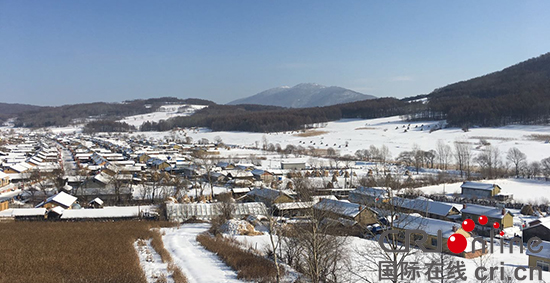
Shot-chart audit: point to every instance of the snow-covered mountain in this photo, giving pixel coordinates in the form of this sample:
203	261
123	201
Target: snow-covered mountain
303	95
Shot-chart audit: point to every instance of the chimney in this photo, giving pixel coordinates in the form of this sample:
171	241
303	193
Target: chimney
503	211
360	208
454	228
463	206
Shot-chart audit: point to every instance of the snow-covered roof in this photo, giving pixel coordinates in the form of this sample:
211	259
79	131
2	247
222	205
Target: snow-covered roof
58	209
22	212
3	175
107	212
294	205
97	200
478	186
544	253
206	211
428	225
491	212
424	205
339	207
62	198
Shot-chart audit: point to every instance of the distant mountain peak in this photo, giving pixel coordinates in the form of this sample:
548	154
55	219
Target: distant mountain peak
303	95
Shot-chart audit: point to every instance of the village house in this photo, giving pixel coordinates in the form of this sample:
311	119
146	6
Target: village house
267	196
293	165
4	203
479	190
292	209
542	259
62	199
347	213
427	208
431	226
494	214
4	179
537	228
262	175
368	196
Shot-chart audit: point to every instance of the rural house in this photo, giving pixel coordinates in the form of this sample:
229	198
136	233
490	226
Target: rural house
267	196
538	228
541	259
345	212
494	214
62	199
479	190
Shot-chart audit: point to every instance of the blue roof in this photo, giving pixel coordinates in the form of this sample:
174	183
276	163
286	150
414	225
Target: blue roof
478	186
492	212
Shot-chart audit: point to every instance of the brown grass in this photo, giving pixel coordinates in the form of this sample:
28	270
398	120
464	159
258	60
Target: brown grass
365	128
539	137
249	266
492	138
310	133
72	252
158	246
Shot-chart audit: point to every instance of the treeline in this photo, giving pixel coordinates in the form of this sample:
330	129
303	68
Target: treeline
65	115
256	118
107	126
518	94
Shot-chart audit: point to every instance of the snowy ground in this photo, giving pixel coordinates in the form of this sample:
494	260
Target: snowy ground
360	134
197	263
523	190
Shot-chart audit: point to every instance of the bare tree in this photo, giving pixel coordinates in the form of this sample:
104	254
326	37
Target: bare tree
463	157
323	251
444	154
545	167
302	187
517	158
384	154
275	236
489	160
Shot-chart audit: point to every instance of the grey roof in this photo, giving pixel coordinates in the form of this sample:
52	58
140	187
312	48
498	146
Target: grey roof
428	225
339	207
424	205
265	193
545	253
478	186
374	192
491	212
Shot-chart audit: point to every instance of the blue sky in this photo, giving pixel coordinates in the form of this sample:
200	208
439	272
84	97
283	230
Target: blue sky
64	52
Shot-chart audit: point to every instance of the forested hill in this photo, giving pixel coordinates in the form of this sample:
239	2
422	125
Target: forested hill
517	94
64	115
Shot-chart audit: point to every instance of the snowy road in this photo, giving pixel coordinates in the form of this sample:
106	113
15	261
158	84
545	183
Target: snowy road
198	264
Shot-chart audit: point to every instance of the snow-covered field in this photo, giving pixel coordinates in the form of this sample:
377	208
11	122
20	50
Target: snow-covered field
197	263
523	190
164	112
360	134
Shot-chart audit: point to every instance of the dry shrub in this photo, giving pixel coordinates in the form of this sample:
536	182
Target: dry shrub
72	251
177	274
248	265
158	245
161	279
311	133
